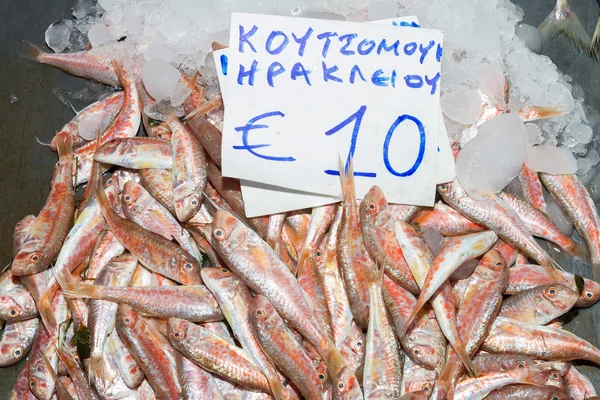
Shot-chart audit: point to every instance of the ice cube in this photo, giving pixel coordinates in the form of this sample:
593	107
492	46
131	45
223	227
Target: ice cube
534	133
83	8
490	79
577	91
493	158
78	41
551	159
109	4
582	133
180	93
92	123
57	35
558	216
159	51
99	34
462	105
593	156
593	117
531	36
160	79
583	165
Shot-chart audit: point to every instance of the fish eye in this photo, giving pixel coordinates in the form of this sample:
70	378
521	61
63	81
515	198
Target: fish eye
219	234
340	385
188	266
127	198
521	364
359	343
554	376
34	257
127	320
426	388
109	182
18	225
259	313
177	335
159	135
551	291
442	187
371	206
194	202
214	199
319	254
589	294
32	384
13	312
555	397
224	270
416	352
17	352
322	377
499	264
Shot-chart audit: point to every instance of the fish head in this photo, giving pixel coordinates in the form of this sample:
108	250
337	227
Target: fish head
127	319
216	278
590	294
188	268
41	388
374	207
11	349
134	197
224	231
492	267
28	262
425	387
162	131
424	346
555	379
178	330
16	305
555	299
346	386
186	199
263	313
24	223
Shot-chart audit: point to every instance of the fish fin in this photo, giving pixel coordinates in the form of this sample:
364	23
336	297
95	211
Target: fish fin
119	70
64	145
276	388
96	367
596	38
46	313
460	350
535	113
334	360
42	143
443	386
569	25
302	257
411	317
579	250
347	179
205	107
31	51
70	288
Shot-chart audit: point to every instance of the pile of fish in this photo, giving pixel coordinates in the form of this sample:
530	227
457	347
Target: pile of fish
156	285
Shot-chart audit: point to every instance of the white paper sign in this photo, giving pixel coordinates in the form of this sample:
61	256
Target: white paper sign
301	92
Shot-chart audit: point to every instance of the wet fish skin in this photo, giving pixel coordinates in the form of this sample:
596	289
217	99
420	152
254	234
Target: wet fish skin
40	382
21	390
257	265
378	232
445	220
574	198
17	304
527	276
480	387
487	363
509	336
216	354
80	380
539	305
208	135
531	392
189	170
416	378
320	220
346	386
282	348
126	365
50	228
136	153
21	231
159	183
578	385
107	247
531	188
149	353
196	383
17	338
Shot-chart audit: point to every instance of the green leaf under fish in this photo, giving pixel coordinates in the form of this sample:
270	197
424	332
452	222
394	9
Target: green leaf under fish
579	282
82	341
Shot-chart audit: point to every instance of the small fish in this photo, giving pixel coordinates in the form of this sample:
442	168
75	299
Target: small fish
532	392
453	253
216	354
346	386
282	348
126	365
253	261
136	153
21	231
61	389
153	251
310	282
16	340
274	232
539	305
41	383
80	381
17	304
209	136
352	254
50	228
563	20
445	220
527	276
494	214
149	352
81	63
507	252
578	385
140	207
194	303
509	336
320	220
531	188
379	238
540	225
574	198
196	383
189	170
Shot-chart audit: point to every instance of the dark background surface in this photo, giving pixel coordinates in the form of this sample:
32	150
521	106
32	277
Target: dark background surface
26	166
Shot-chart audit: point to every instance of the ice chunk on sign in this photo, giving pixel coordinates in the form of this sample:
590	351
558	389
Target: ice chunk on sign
551	159
462	105
57	35
347	78
493	158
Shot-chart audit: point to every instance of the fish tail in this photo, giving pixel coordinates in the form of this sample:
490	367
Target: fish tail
70	288
443	385
119	70
32	52
205	107
96	367
302	257
569	25
347	179
277	389
46	313
402	331
459	348
596	38
334	360
64	145
535	113
578	250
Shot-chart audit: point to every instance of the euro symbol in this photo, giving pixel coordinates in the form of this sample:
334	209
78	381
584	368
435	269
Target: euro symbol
251	147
